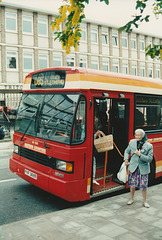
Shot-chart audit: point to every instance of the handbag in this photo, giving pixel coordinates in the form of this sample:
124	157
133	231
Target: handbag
104	143
122	174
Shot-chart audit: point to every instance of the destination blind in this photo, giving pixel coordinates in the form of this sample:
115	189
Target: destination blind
48	79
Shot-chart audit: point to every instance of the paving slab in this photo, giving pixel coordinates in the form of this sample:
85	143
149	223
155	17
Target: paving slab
104	219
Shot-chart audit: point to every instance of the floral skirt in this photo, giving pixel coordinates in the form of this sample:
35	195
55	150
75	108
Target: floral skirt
136	180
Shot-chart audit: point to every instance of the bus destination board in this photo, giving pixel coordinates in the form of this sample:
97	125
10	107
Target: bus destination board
48	79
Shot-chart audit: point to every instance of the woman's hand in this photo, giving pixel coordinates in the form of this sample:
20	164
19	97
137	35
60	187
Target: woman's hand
138	152
126	162
99	132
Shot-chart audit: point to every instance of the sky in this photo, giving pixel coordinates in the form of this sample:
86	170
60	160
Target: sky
117	13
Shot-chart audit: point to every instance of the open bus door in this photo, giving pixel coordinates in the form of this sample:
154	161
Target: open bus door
111	116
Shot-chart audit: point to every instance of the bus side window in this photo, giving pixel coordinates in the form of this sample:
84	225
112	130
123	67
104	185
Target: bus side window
140	120
80	123
148	113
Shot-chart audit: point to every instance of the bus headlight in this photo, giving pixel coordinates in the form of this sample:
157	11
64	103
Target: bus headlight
64	166
16	149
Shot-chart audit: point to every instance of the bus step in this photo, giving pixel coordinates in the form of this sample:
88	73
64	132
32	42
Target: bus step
100	177
102	191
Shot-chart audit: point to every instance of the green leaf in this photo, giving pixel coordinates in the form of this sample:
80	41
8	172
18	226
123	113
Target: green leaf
148	47
121	28
137	18
141	5
136	25
127	27
138	5
106	1
147	18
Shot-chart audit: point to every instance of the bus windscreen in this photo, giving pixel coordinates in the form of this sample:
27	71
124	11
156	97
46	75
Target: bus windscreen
51	116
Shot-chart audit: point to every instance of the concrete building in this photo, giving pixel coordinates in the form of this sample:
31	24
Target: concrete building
27	44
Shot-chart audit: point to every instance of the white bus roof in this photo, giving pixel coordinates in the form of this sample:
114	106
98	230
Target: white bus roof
81	78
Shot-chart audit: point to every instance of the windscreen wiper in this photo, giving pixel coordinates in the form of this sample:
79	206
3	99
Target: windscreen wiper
34	115
37	121
44	142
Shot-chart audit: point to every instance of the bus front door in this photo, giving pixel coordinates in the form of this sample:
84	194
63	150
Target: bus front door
111	116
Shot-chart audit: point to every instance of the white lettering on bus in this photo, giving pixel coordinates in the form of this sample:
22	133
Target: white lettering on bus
36	148
29	146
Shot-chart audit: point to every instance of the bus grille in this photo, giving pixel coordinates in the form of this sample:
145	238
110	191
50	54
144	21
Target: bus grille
37	157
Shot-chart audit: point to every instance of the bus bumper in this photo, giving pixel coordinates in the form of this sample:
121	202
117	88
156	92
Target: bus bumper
69	190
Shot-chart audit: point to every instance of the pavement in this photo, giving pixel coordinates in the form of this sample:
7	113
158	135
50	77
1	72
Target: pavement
6	144
105	219
108	218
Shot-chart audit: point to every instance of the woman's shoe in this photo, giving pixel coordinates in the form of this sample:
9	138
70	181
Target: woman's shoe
130	202
146	205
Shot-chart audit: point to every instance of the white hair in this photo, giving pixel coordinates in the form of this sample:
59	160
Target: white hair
141	131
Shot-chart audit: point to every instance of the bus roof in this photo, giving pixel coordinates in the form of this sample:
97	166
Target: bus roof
81	78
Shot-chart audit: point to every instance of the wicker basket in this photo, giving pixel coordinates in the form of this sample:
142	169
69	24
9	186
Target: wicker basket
104	143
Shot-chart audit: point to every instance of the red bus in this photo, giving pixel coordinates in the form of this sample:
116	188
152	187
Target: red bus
54	128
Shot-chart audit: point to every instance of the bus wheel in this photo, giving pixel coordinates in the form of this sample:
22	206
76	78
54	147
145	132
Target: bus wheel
151	174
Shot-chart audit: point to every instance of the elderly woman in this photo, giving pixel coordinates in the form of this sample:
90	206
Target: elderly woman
138	164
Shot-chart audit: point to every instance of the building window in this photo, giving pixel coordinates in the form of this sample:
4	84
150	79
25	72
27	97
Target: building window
149	41
83	61
57	61
11	60
83	33
42	61
142	70
70	61
28	61
27	24
94	63
116	67
94	35
150	71
133	42
42	26
157	41
142	44
125	68
105	64
104	37
11	22
124	41
114	39
134	69
157	73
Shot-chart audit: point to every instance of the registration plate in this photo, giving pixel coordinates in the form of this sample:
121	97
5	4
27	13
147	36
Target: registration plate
31	174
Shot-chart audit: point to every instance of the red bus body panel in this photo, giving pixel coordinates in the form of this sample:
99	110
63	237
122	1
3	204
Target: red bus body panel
69	186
